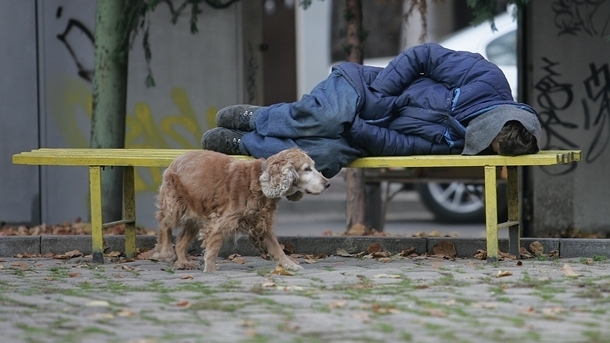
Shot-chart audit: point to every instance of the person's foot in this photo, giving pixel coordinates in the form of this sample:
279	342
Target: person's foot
236	117
222	140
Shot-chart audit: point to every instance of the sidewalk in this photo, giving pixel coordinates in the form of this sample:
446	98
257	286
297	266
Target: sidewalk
334	299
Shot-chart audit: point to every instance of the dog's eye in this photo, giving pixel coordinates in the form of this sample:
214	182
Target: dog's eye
307	169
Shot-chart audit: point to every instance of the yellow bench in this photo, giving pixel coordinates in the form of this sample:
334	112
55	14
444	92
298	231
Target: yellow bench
96	159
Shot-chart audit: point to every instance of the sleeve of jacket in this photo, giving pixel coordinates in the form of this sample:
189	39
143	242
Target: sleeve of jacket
379	141
429	60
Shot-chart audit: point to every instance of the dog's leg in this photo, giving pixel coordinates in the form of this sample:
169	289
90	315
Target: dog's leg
269	240
183	242
214	238
164	250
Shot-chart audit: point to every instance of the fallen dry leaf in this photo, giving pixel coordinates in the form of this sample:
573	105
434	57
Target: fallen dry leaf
146	255
186	277
374	248
126	313
407	252
568	271
357	230
480	255
74	274
129	268
279	270
524	253
236	258
537	248
21	265
113	254
183	303
289	288
551	311
386	276
343	253
247	323
437	313
381	254
384	309
486	305
337	304
97	303
444	248
73	253
507	256
435	233
268	284
502	273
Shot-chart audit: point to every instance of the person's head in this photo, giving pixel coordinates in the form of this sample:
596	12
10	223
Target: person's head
509	129
514	140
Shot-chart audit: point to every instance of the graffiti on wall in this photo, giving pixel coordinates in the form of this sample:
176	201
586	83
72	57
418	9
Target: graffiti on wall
564	116
584	16
72	108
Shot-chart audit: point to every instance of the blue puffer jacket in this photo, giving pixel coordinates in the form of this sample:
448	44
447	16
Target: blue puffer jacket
422	101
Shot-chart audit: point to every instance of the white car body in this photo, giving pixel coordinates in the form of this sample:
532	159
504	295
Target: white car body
498	47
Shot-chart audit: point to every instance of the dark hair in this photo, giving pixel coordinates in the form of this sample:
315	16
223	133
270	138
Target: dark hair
514	140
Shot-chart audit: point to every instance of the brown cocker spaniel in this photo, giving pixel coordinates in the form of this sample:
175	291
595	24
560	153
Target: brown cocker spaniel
217	196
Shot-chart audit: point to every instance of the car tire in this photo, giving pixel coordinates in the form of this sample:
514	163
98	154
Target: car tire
459	202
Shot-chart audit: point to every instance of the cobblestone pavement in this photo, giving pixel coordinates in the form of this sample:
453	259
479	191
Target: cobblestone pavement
334	299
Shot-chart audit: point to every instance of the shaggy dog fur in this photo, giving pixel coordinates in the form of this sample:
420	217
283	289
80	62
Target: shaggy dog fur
217	196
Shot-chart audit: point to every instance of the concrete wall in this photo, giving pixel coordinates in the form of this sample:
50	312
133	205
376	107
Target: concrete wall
569	85
19	191
195	76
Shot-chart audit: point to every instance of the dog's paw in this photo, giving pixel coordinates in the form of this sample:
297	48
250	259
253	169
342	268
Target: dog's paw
163	257
186	265
209	268
289	265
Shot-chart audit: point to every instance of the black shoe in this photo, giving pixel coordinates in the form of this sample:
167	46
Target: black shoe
236	117
222	140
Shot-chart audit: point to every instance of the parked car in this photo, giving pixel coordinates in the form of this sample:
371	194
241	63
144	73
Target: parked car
458	201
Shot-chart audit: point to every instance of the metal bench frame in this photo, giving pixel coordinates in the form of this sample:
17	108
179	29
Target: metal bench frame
96	159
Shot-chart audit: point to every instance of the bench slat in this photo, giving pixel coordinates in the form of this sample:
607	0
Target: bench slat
163	157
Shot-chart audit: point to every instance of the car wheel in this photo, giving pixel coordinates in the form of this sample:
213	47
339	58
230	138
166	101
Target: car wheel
459	202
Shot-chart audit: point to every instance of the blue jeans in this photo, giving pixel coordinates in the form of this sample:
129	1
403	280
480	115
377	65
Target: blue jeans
316	124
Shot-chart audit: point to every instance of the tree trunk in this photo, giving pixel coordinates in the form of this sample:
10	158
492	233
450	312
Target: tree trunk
109	98
354	178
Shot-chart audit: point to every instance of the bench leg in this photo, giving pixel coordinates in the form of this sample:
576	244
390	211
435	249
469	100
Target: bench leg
491	213
514	231
97	235
129	198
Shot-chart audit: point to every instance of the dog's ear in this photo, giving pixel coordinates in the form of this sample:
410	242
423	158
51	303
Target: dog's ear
278	177
296	196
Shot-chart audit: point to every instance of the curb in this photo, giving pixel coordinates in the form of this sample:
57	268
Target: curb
465	247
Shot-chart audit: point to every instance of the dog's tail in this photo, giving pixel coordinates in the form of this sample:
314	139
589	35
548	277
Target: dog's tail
170	204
